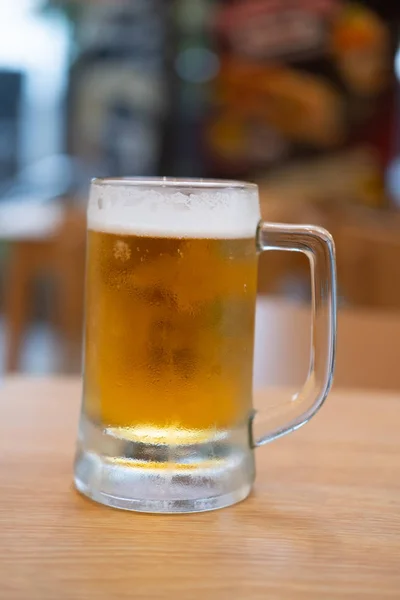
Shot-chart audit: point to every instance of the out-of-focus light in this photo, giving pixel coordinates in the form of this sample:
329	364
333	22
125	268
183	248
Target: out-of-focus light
38	47
9	8
197	65
393	181
192	15
397	63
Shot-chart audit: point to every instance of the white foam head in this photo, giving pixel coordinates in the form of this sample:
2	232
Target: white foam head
174	208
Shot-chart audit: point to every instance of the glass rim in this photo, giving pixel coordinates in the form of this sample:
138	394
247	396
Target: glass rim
175	182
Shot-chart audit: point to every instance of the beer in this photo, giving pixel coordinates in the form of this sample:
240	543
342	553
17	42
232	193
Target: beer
169	334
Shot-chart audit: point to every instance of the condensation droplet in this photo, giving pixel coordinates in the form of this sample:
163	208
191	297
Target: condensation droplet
122	251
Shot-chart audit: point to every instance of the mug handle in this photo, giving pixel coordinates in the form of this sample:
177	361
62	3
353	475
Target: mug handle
317	244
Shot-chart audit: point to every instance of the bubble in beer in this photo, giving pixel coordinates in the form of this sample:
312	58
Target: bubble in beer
122	251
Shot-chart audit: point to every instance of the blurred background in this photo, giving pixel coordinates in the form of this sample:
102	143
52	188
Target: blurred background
300	96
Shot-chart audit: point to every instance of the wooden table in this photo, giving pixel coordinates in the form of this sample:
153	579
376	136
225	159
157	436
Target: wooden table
323	522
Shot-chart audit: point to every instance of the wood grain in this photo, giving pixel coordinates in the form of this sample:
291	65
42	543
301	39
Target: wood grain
323	521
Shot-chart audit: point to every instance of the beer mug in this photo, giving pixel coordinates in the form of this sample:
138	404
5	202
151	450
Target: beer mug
167	414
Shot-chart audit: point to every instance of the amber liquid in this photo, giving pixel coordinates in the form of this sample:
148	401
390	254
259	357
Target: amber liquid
169	334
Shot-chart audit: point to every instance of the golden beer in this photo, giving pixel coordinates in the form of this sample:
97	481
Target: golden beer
169	335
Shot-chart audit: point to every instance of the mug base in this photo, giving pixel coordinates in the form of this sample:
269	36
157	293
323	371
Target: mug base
155	479
164	506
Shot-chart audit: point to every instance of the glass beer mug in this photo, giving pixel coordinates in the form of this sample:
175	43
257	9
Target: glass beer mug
167	415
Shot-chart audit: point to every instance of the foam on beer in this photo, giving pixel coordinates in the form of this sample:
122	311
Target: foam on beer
223	212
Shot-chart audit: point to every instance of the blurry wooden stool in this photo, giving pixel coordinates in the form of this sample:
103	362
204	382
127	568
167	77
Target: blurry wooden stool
367	249
60	256
368	257
368	346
